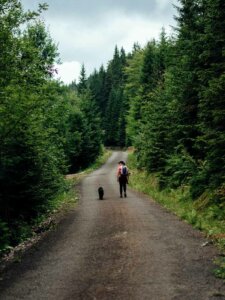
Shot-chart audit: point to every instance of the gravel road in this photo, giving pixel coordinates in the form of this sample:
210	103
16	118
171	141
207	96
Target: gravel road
115	248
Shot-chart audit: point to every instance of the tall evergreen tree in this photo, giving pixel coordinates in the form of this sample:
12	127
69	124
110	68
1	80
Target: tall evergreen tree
211	141
92	131
153	124
97	85
133	94
188	49
115	132
82	84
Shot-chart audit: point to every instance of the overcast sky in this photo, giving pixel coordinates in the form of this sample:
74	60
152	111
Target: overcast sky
87	31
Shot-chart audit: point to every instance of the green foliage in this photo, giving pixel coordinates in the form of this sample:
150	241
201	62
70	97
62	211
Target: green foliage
107	89
180	168
98	85
132	92
148	125
112	112
220	271
92	132
203	214
31	157
175	88
46	129
82	85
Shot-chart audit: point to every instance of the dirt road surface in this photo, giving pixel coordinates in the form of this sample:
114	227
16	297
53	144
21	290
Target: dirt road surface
115	248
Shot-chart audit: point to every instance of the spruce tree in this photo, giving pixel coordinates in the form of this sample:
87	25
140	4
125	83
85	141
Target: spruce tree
211	108
92	132
115	132
188	49
82	84
133	93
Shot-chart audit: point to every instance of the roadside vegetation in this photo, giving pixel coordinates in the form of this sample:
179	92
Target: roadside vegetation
201	214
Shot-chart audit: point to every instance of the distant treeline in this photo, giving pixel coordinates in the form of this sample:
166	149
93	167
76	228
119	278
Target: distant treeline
167	100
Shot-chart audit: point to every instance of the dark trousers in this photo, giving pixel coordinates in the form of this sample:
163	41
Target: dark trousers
123	184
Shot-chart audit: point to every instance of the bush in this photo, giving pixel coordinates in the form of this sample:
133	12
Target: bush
198	184
179	170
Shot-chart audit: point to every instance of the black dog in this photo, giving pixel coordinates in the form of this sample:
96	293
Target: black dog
100	193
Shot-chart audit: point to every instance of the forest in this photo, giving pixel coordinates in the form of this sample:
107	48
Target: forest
165	99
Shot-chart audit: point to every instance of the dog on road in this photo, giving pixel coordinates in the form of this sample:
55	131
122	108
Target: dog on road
100	193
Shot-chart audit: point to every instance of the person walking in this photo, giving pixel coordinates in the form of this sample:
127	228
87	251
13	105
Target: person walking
122	178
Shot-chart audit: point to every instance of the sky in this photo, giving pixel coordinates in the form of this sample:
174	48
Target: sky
87	31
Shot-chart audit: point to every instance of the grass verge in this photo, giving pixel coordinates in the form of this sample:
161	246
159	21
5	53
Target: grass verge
207	218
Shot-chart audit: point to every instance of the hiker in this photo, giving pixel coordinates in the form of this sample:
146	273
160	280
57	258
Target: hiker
122	178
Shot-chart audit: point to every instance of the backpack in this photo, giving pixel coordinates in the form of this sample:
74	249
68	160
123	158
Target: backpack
124	171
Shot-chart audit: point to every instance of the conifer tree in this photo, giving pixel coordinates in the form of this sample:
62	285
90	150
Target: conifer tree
188	49
97	85
133	93
92	132
116	105
144	109
82	84
211	141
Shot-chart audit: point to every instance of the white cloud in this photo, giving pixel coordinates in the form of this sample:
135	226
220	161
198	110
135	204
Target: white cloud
95	45
68	71
128	30
88	31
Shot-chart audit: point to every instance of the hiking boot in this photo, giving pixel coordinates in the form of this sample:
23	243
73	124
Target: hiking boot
125	195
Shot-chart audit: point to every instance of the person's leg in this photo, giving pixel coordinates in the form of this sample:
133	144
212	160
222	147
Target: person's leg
121	187
123	181
125	189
